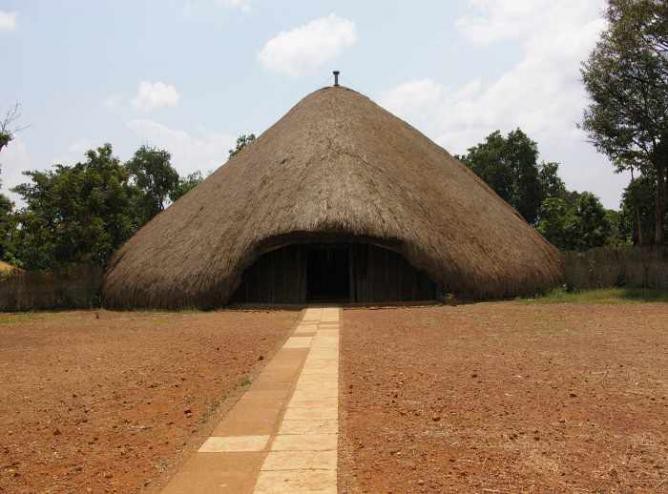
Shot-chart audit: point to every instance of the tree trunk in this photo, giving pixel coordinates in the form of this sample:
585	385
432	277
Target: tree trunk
640	238
665	202
660	201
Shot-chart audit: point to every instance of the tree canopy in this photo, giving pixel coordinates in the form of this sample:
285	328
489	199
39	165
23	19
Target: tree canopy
510	166
568	219
82	213
578	224
638	208
626	77
152	173
76	214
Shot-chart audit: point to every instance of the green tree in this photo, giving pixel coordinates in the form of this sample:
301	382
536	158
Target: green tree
242	141
186	184
551	185
152	172
7	228
618	228
575	221
487	161
558	223
76	214
7	217
593	226
626	77
638	208
510	166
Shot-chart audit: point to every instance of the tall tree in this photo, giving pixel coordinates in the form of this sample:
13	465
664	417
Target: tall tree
510	166
7	216
626	77
76	214
558	223
7	227
594	226
638	207
551	184
152	172
575	221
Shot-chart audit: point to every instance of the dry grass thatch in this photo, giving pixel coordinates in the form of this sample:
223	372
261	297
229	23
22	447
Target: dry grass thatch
6	268
336	165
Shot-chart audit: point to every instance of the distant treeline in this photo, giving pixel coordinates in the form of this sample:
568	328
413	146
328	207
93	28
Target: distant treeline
570	220
80	214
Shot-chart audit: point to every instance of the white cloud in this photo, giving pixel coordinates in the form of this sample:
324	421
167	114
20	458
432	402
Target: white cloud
205	151
155	95
494	20
541	93
306	48
8	21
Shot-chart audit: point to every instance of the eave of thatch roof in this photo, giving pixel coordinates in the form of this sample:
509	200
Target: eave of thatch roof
336	164
6	268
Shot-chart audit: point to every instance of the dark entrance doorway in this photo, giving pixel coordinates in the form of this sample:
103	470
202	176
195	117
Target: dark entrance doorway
340	272
328	274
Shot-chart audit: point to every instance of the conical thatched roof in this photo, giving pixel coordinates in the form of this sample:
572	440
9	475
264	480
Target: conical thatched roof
336	164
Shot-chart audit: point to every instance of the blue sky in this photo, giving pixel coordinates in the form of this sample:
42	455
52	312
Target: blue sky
191	75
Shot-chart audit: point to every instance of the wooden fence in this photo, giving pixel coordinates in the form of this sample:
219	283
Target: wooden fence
75	287
608	267
79	287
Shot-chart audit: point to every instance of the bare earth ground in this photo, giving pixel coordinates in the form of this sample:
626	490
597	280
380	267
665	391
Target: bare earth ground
110	404
505	397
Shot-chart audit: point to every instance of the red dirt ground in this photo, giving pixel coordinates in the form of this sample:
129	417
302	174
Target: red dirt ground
110	404
505	397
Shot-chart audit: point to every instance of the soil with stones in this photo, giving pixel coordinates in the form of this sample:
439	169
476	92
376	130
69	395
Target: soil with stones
505	397
110	402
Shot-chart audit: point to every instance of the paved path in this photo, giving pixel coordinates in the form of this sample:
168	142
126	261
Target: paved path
282	434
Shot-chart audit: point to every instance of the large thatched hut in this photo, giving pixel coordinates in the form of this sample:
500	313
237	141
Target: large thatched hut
338	201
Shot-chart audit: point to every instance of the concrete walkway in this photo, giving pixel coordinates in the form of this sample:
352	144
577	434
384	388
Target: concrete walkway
282	435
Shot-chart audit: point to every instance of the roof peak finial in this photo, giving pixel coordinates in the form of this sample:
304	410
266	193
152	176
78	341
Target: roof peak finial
336	78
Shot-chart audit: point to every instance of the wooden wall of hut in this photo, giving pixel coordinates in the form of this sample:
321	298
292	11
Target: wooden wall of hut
332	272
